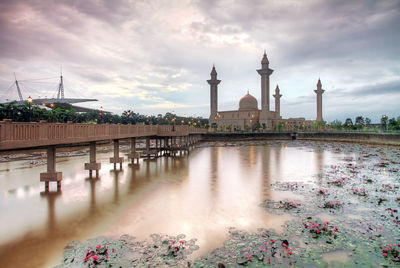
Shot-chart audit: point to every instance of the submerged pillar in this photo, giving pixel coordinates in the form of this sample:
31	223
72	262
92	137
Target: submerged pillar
51	174
116	159
92	165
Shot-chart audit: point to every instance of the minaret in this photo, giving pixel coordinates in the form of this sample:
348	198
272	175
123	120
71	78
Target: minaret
265	72
319	92
277	97
213	93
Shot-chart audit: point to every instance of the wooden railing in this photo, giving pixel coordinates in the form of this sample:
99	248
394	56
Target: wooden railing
27	135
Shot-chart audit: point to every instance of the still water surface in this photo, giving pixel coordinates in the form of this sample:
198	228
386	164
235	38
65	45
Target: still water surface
200	195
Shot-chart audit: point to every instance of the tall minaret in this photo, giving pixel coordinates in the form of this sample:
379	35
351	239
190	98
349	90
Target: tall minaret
265	72
277	97
319	92
213	93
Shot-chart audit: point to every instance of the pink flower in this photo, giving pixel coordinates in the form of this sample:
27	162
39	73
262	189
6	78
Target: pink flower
268	259
272	241
182	242
290	252
113	249
107	257
265	243
249	256
95	257
175	249
84	259
98	246
384	254
263	250
173	242
169	246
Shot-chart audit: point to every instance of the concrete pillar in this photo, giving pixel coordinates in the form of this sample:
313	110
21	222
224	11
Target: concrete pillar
148	147
133	154
51	174
116	159
319	93
92	165
157	149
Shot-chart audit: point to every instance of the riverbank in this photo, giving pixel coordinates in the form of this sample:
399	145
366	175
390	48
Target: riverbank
368	138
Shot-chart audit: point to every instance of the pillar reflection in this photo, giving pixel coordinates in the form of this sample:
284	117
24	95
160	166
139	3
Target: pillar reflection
266	172
319	163
51	198
116	185
92	200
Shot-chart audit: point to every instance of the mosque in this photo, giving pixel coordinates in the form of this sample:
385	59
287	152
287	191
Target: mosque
248	116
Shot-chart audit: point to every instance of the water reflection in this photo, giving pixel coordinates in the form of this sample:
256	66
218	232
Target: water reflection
92	195
200	195
51	198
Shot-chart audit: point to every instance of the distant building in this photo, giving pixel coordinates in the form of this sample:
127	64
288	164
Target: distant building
248	116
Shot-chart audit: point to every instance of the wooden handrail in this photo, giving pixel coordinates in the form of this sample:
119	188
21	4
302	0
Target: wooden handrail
14	135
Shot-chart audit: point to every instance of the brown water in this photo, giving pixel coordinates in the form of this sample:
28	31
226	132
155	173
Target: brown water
200	195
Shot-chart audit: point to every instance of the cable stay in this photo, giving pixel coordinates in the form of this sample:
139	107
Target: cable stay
18	89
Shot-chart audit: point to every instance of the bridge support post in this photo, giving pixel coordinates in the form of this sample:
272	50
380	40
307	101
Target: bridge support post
51	174
116	159
92	165
148	147
157	150
134	155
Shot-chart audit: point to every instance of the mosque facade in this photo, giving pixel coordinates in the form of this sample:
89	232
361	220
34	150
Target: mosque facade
249	116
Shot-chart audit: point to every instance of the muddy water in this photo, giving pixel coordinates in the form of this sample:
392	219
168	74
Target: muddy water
200	195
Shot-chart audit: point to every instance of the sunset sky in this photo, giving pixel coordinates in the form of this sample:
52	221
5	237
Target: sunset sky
155	56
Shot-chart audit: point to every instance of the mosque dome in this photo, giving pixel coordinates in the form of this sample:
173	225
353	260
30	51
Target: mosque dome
248	102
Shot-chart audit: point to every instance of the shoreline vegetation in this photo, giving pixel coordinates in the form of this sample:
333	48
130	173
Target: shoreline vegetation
63	113
351	212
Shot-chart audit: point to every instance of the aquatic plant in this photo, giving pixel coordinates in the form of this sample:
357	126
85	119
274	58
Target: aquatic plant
318	229
391	252
175	248
360	191
289	205
333	204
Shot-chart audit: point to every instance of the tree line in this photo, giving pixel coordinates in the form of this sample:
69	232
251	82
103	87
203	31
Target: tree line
63	113
361	123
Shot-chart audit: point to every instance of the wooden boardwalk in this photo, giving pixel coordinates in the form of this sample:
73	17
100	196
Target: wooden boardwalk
168	139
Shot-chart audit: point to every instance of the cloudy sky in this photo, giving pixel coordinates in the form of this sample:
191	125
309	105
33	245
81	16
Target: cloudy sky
155	56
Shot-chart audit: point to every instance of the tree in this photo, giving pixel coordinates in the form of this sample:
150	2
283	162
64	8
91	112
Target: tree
279	126
336	124
319	124
359	122
384	121
393	124
348	123
367	121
